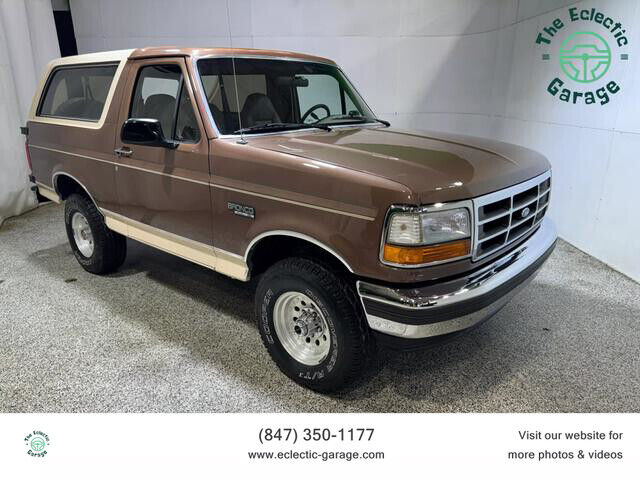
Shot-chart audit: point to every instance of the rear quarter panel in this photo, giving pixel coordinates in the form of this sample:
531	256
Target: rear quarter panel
82	150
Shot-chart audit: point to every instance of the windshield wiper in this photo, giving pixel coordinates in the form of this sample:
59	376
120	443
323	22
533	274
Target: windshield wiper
280	125
384	122
360	118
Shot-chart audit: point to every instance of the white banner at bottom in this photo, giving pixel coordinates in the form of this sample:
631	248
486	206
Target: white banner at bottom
316	445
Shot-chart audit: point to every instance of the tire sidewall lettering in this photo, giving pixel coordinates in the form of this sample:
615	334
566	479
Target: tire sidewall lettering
265	314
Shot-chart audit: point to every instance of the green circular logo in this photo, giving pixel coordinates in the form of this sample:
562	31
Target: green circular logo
585	57
37	444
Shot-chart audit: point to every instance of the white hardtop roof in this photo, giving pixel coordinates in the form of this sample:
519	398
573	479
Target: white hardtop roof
98	57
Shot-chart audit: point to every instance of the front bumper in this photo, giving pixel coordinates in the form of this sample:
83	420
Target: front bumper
454	305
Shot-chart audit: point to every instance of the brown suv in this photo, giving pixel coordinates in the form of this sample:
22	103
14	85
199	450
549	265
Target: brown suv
269	164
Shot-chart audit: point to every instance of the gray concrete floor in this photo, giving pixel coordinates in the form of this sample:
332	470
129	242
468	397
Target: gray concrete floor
165	335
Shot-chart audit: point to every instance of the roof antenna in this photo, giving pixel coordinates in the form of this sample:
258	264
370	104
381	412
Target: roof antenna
242	140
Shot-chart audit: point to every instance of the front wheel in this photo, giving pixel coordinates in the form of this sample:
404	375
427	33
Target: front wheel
311	324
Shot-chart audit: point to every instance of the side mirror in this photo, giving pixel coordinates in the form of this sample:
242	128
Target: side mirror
145	131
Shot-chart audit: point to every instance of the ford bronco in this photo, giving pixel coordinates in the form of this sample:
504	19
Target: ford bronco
270	165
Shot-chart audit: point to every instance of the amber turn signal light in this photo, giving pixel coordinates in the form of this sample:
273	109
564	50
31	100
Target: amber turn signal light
427	254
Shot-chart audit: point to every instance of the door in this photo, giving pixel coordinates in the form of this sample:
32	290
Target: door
162	188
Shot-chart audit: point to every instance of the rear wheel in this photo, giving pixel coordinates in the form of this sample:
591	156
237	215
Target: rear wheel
97	249
312	324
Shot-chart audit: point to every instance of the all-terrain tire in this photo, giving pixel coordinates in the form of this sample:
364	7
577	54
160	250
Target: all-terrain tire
350	338
109	247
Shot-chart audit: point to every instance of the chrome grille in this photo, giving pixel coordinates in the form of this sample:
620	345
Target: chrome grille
503	217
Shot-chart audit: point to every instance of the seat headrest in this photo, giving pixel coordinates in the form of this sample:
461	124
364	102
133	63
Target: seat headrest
258	109
161	106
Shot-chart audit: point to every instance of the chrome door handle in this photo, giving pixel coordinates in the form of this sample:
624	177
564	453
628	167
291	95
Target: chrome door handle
123	152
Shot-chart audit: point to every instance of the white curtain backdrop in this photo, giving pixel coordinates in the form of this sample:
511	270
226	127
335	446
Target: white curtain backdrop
28	42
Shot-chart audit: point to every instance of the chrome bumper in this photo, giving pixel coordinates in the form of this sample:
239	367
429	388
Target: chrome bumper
454	305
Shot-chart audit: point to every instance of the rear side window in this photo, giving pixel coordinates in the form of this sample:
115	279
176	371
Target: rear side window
77	93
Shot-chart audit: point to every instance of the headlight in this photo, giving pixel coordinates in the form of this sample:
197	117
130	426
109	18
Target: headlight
418	237
439	227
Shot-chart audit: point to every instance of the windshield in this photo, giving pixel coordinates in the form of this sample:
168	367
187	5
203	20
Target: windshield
278	94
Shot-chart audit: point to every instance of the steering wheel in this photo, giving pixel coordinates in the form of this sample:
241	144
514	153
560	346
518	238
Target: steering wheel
313	115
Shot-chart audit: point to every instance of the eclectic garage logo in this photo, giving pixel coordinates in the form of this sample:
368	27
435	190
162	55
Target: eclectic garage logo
585	56
37	443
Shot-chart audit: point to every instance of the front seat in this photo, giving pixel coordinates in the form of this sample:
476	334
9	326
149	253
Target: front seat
161	107
258	110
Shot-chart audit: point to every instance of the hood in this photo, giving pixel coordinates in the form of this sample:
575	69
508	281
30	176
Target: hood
435	166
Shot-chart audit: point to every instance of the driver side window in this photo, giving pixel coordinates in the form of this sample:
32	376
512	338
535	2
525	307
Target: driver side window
157	90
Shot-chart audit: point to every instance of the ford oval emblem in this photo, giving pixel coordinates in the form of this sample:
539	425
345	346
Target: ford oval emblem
525	211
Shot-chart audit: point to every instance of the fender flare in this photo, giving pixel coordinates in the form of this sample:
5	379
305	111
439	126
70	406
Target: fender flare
301	236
